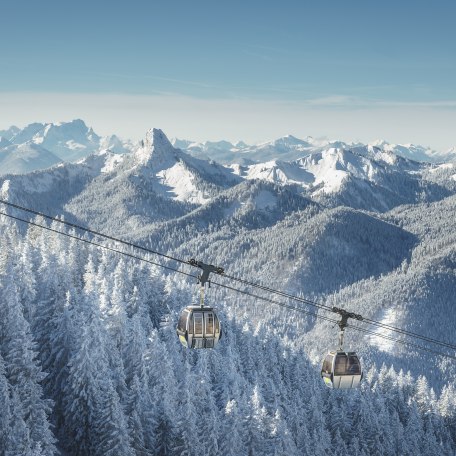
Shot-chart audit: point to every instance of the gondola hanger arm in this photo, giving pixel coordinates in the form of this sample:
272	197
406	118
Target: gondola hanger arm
203	278
343	323
345	316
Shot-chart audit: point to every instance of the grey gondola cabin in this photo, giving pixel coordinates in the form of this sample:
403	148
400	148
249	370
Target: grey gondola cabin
341	370
199	327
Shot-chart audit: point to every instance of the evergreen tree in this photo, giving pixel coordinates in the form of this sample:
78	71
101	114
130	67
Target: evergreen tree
283	443
259	426
111	436
27	290
168	398
18	438
63	340
22	368
205	407
232	435
5	408
413	432
94	417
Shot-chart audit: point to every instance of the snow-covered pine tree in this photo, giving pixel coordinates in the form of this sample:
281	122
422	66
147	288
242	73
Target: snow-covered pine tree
5	415
23	371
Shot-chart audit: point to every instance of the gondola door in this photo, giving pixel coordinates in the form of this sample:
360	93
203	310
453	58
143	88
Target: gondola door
198	328
209	329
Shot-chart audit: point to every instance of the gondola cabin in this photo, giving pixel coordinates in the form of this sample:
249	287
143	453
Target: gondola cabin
341	370
199	327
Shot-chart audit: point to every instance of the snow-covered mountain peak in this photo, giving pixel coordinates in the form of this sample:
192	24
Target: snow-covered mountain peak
157	153
413	151
157	139
116	145
68	140
181	143
291	140
328	170
333	151
285	143
378	153
75	129
380	143
241	145
27	133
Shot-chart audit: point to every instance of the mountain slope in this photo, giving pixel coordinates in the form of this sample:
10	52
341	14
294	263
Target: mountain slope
309	250
247	207
24	158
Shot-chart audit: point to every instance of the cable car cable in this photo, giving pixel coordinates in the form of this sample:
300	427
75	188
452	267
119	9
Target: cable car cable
399	341
328	308
243	281
88	230
281	293
111	249
98	245
357	328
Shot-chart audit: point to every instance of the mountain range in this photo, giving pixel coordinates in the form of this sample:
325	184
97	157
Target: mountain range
72	141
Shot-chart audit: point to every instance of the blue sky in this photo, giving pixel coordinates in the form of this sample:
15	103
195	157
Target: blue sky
247	70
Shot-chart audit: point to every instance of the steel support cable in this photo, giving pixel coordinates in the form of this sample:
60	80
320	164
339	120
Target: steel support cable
400	341
297	309
111	249
243	281
328	308
88	230
281	293
357	328
96	244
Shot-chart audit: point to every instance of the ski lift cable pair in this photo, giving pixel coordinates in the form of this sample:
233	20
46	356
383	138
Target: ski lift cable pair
281	304
222	274
331	309
357	328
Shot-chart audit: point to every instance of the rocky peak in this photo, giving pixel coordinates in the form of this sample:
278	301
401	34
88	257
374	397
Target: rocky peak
157	151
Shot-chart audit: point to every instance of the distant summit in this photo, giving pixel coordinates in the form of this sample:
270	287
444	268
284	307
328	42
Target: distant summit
66	141
288	148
